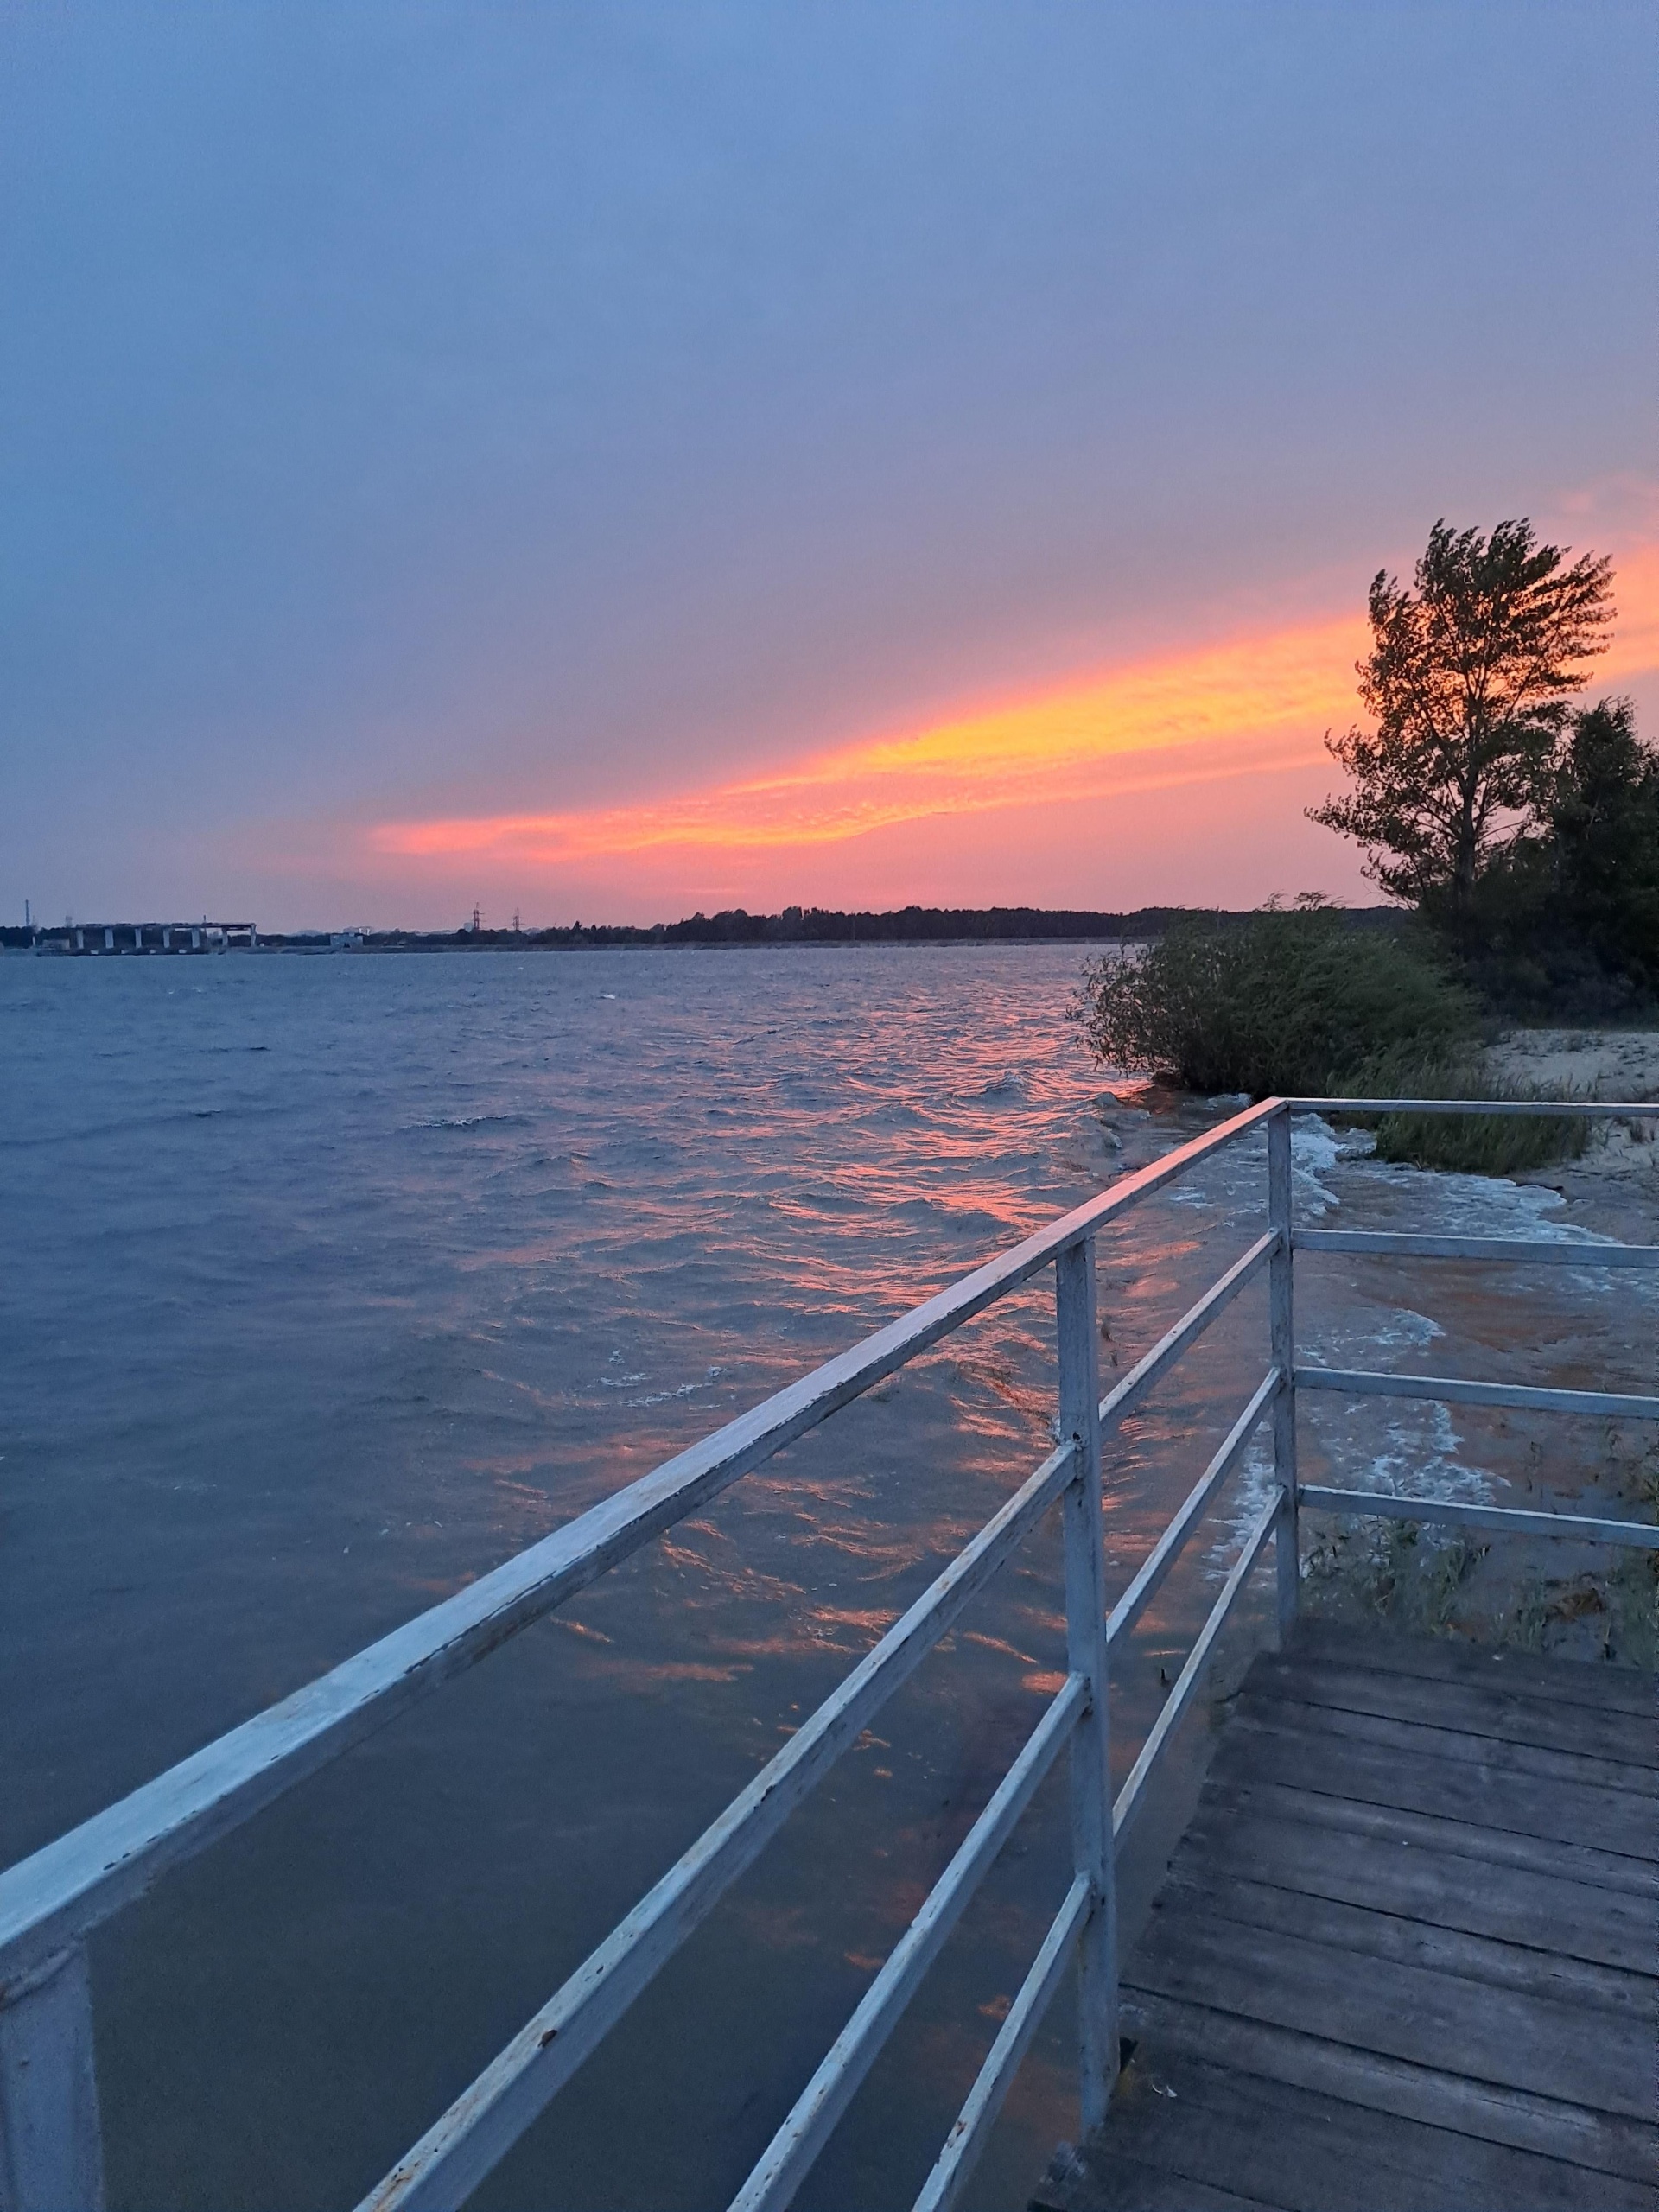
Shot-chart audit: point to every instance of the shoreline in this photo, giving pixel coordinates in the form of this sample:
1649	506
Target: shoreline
1557	1595
1613	1187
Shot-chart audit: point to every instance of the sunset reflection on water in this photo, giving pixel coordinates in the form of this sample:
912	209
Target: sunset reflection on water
345	1279
441	1252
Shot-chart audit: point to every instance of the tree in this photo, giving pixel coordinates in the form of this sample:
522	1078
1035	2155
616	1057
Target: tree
1468	678
1603	818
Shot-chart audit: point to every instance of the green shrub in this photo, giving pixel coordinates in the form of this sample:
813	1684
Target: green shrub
1299	1002
1284	1002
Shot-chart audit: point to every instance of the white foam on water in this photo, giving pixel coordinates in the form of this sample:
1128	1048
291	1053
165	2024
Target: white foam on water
1316	1149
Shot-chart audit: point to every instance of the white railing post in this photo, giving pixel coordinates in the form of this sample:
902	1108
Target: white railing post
1281	1313
51	2156
1085	1631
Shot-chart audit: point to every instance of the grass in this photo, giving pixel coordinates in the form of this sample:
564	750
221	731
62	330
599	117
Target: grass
1469	1144
1617	1603
1428	1580
1405	1572
1436	1581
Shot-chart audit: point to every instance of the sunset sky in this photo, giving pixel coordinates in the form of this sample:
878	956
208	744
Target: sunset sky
609	460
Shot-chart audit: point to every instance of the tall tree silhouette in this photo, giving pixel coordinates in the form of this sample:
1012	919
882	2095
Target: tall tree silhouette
1469	675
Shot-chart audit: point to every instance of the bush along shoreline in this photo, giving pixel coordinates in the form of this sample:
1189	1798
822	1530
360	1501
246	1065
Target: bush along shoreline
1296	1003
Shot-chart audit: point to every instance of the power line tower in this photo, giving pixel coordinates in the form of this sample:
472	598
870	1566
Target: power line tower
478	921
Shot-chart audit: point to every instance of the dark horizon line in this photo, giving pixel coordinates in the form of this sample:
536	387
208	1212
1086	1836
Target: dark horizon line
912	925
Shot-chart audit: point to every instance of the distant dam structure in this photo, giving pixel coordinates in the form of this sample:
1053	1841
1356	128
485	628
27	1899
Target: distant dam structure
87	939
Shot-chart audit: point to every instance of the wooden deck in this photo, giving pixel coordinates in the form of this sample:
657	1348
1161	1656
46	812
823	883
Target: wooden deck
1407	1954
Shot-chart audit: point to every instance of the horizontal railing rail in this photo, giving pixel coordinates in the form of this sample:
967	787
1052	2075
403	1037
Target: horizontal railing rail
1533	1251
1389	1505
1593	1109
49	2148
461	2147
969	2135
782	2165
1164	1553
1132	1796
1462	1390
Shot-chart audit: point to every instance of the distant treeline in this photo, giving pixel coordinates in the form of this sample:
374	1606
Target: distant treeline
909	925
825	925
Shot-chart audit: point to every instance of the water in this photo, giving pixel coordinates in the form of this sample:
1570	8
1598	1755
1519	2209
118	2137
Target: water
332	1282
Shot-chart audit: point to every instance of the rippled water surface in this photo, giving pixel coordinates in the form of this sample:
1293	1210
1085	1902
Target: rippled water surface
331	1282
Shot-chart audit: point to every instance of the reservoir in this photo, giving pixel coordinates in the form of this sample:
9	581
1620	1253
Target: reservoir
331	1284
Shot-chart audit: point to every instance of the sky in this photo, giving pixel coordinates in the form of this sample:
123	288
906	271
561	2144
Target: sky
611	461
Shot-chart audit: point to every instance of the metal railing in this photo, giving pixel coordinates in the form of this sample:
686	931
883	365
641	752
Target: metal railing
50	2146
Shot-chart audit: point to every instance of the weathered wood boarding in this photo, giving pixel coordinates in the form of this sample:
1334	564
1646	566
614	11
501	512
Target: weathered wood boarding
1407	1956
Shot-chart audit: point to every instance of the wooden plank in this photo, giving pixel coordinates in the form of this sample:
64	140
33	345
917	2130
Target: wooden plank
1604	2143
1370	1931
1313	2152
1494	1847
1446	1659
1426	1739
1443	1889
1101	2177
1513	2039
1478	1708
1114	2182
1251	1751
1387	1966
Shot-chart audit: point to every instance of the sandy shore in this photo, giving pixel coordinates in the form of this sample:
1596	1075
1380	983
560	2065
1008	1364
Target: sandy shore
1562	1596
1614	1187
1546	1326
1613	1063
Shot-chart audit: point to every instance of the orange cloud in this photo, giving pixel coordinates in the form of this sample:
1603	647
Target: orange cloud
1234	707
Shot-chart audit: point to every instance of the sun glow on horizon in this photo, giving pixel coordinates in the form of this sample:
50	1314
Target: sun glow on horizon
1249	703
